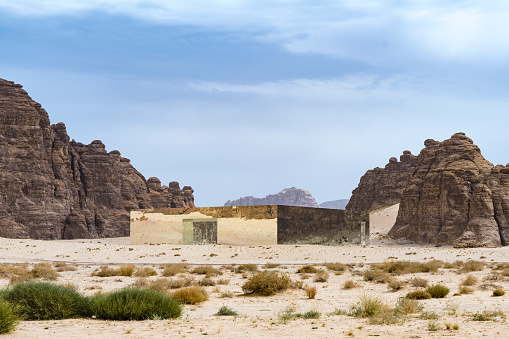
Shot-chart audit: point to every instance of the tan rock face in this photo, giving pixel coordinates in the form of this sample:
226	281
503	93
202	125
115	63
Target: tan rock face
289	196
453	196
53	188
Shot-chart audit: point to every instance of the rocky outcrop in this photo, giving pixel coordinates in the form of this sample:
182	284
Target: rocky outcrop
383	187
54	188
289	196
453	196
335	204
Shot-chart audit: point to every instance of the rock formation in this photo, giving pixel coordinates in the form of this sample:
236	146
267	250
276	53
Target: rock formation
453	196
53	188
289	196
335	204
383	187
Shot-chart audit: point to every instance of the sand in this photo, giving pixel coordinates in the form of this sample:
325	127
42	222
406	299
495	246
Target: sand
259	315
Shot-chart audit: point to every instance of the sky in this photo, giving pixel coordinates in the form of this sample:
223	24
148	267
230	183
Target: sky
244	97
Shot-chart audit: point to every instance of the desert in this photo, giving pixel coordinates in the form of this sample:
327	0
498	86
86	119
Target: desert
469	310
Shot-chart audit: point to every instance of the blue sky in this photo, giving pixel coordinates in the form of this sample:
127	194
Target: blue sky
243	98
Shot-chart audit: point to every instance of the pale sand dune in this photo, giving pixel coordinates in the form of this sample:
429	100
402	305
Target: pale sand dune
259	314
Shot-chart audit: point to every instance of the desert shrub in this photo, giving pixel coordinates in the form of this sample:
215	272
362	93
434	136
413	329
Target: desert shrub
8	317
311	292
8	270
465	290
169	270
418	295
271	265
247	267
190	295
304	276
396	285
223	281
37	300
145	272
321	276
63	267
135	304
449	326
125	270
407	267
377	276
408	306
493	277
161	285
486	315
207	282
336	267
498	292
419	282
368	306
434	326
226	311
286	315
296	285
489	286
106	271
505	272
349	284
226	294
472	265
469	280
266	283
429	315
38	271
437	291
307	269
309	315
209	271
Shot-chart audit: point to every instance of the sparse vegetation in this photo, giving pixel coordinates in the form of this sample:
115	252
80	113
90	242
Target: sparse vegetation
106	271
169	270
469	280
311	292
418	282
450	326
135	304
247	268
486	315
429	315
307	269
407	267
190	295
63	267
396	285
145	272
337	267
266	283
208	271
349	284
271	265
408	306
437	291
465	290
378	276
472	265
434	326
321	276
226	311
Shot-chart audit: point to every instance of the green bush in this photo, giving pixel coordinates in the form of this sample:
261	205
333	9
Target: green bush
266	283
135	304
45	301
437	291
226	311
8	318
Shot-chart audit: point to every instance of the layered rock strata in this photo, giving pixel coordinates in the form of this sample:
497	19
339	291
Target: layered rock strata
54	188
289	196
452	196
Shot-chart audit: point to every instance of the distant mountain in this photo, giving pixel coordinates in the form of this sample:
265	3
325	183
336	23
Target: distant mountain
289	196
335	204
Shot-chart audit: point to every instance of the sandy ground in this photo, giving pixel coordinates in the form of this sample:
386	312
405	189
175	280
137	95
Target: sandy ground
258	316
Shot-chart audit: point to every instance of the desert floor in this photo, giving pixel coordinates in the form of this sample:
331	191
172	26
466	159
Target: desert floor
260	316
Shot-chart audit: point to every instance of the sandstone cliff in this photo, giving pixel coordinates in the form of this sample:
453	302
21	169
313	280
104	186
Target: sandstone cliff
54	188
383	187
289	196
451	195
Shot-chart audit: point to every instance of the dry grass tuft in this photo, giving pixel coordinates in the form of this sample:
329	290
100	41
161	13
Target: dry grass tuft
469	280
307	269
266	283
63	267
209	271
321	276
169	270
419	282
311	292
145	272
106	271
190	295
349	284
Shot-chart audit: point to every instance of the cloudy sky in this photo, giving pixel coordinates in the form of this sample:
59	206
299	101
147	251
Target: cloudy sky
249	97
